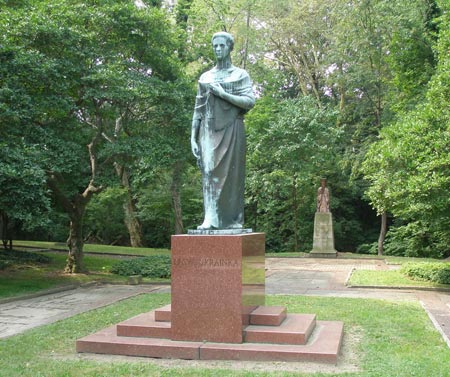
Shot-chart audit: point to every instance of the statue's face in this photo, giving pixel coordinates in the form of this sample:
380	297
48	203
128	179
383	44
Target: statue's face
220	47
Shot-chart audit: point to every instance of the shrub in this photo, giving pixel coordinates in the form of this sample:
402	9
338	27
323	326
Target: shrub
415	239
367	248
436	272
154	266
21	257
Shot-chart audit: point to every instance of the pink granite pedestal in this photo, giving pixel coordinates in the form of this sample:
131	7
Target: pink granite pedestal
217	280
218	312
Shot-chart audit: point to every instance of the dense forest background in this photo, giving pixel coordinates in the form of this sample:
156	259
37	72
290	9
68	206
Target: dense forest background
96	99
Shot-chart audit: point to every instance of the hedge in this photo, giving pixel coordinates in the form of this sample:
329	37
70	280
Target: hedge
154	266
432	271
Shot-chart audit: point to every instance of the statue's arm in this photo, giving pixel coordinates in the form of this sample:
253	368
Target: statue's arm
245	102
194	137
196	121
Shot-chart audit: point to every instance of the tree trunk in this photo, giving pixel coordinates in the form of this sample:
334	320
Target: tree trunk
6	234
383	231
76	207
295	213
75	241
176	197
131	221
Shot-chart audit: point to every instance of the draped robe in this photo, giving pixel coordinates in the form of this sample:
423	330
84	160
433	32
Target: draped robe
222	146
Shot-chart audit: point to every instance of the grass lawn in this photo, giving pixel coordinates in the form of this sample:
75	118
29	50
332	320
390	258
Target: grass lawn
292	254
391	278
94	248
385	338
29	278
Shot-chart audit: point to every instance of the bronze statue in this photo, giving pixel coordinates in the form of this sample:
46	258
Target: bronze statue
224	95
323	197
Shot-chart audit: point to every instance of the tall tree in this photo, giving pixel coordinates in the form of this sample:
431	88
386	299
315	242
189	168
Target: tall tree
289	150
408	166
94	63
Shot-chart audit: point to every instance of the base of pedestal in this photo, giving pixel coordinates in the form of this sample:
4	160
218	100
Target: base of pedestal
323	254
272	335
323	241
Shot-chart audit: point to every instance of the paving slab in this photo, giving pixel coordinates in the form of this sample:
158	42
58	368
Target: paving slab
21	315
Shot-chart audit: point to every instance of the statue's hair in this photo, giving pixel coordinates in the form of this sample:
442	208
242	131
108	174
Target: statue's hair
228	37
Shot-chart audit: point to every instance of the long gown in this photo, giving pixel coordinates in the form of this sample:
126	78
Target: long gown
222	146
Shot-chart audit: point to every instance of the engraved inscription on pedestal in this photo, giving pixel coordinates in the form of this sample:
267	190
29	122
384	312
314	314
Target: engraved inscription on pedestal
217	280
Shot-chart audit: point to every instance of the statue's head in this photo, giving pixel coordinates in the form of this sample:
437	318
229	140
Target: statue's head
228	37
323	182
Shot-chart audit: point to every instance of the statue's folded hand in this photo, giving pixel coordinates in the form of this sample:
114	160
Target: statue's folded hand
195	149
217	90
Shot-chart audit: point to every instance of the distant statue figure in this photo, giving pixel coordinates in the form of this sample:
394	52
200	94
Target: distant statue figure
323	197
224	95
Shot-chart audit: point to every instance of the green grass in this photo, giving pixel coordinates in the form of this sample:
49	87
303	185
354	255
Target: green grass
388	339
390	259
392	278
401	260
286	255
94	248
31	278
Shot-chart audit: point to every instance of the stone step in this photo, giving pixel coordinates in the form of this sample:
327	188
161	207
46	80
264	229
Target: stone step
268	315
264	326
163	314
262	315
295	329
107	342
323	346
144	326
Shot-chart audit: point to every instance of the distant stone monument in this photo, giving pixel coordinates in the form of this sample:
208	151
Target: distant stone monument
323	241
224	95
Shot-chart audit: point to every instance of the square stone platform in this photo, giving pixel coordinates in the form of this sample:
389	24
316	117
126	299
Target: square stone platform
298	337
218	311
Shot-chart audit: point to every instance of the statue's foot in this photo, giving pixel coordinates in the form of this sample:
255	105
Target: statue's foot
235	226
206	226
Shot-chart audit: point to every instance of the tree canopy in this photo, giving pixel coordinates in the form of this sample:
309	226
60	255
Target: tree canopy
96	100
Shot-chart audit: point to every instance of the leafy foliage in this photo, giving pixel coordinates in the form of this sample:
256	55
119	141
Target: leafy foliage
409	167
291	145
104	219
346	88
415	239
155	266
85	78
23	193
14	257
368	248
435	272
